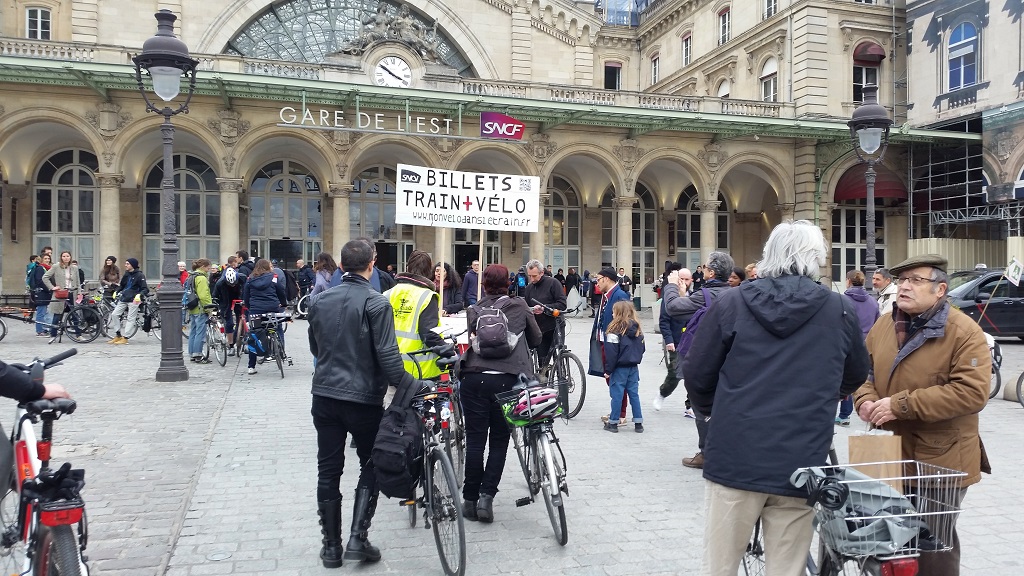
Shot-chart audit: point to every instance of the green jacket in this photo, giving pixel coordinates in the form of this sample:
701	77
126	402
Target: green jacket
203	291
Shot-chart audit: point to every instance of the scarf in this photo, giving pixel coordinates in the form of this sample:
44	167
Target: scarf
906	325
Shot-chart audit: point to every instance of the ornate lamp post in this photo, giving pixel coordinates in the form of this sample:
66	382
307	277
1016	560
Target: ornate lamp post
165	59
869	129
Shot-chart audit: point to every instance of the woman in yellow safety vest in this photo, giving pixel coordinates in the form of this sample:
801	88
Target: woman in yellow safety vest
416	307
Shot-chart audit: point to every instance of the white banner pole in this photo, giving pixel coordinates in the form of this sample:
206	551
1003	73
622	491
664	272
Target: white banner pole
479	279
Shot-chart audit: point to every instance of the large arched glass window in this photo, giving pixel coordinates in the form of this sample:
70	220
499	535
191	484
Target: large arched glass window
67	207
645	236
285	220
196	213
770	80
963	56
311	30
371	207
688	227
562	225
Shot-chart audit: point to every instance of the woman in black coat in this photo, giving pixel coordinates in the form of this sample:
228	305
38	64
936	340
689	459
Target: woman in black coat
451	301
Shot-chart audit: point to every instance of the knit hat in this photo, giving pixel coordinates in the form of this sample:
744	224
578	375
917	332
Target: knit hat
609	272
134	262
113	259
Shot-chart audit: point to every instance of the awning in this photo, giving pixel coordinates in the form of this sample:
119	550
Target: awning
853	186
869	52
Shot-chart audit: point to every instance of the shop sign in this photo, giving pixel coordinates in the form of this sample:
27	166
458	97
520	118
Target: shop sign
476	200
365	122
498	125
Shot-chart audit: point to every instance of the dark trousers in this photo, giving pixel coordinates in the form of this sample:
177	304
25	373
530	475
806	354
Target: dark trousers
485	424
671	380
702	428
334	420
544	348
943	563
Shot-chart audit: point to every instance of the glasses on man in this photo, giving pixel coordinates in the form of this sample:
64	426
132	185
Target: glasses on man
914	280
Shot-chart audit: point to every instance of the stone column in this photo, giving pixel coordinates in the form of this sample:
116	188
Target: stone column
786	210
110	215
708	227
624	232
537	239
340	194
230	236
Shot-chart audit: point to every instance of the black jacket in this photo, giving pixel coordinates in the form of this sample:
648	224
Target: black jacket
623	350
16	384
39	290
770	362
520	321
453	303
306	277
549	292
262	295
247	267
352	337
137	280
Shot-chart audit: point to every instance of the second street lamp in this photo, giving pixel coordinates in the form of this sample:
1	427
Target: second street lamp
165	59
869	129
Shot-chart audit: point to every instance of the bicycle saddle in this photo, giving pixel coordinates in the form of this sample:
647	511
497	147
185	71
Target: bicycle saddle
58	405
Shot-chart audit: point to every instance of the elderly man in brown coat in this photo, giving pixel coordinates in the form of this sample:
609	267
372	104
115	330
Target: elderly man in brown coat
929	380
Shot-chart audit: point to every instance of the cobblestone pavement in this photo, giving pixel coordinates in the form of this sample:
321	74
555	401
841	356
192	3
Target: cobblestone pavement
217	476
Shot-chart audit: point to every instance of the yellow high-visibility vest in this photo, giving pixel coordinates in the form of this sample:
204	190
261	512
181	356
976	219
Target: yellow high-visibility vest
408	302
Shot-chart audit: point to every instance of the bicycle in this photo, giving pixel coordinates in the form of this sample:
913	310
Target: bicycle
148	306
215	338
569	375
274	325
997	361
241	327
441	501
302	306
42	508
453	426
530	415
81	323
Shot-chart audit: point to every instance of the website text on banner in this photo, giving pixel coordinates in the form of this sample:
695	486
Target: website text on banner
452	199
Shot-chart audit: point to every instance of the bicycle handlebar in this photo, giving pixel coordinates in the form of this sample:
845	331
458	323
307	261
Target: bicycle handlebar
50	362
443	350
548	310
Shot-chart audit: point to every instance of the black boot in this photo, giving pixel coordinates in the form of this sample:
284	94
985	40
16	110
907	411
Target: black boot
330	527
359	548
469	509
484	510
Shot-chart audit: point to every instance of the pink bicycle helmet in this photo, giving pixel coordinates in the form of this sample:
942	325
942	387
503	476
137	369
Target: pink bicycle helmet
536	404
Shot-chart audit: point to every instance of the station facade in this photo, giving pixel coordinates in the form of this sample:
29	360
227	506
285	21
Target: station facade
659	134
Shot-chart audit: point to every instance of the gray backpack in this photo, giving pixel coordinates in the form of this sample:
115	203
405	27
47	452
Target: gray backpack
492	338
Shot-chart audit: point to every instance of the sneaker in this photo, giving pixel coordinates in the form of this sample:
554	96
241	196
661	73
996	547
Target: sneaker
113	340
613	428
231	351
639	428
623	421
659	401
120	340
689	413
604	419
696	462
250	371
842	421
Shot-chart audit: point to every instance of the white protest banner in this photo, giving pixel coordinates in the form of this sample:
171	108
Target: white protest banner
1013	271
452	199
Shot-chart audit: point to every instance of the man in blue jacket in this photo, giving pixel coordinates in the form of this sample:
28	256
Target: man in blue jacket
768	365
671	328
608	280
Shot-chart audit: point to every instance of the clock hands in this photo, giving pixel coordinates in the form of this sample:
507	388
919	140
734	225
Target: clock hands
388	70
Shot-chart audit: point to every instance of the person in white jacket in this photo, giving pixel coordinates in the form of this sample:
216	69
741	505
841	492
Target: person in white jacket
886	289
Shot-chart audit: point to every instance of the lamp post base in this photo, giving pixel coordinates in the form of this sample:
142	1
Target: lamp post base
172	361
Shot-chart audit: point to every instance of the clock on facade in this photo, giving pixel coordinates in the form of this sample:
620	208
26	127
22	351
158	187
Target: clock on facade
392	71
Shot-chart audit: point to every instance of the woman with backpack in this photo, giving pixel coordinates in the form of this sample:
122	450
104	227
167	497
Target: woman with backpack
263	294
198	283
41	295
482	378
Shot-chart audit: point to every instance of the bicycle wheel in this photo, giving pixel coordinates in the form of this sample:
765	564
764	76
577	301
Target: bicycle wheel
241	335
133	327
551	482
570	374
154	323
753	556
82	324
455	441
302	306
57	552
3	329
207	341
12	560
995	383
412	508
445	509
519	441
220	345
278	352
1020	384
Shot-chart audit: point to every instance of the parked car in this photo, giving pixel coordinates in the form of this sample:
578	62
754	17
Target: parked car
1004	314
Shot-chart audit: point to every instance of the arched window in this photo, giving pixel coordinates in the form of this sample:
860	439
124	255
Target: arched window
723	88
562	225
67	207
688	227
285	221
867	60
655	69
687	48
963	56
724	26
770	80
196	213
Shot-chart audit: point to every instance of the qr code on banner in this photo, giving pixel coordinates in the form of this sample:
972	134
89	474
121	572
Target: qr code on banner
524	185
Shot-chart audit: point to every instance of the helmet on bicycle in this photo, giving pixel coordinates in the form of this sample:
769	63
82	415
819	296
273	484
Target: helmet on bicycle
231	276
536	404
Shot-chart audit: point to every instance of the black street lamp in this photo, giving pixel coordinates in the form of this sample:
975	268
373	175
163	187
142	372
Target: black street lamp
165	59
869	129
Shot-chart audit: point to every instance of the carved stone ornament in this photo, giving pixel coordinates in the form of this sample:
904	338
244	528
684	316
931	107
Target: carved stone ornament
108	119
628	153
229	125
540	147
624	202
445	147
229	163
1005	142
712	156
382	26
708	205
342	169
847	38
230	185
110	180
108	158
786	209
338	190
342	140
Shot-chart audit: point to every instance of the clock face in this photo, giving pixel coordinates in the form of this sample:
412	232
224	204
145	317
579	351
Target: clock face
392	71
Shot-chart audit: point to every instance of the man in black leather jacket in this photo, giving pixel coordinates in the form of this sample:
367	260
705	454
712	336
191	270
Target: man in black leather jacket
352	336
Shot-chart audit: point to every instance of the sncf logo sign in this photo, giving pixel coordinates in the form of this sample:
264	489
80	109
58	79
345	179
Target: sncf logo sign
497	125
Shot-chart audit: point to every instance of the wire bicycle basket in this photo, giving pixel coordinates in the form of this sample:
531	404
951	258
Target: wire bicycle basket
863	510
522	407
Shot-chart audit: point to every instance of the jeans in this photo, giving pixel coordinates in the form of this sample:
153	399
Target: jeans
625	380
197	334
334	420
115	317
846	407
42	318
485	424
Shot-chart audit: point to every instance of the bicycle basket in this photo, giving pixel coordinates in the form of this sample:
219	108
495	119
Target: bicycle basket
534	404
874	519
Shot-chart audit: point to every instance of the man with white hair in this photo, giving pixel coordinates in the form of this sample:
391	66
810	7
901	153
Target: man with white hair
749	370
543	289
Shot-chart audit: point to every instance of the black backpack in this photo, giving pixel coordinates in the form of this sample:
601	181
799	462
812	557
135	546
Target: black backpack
397	453
492	338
